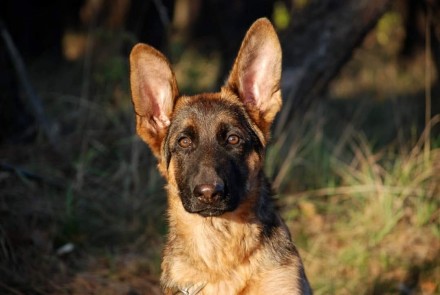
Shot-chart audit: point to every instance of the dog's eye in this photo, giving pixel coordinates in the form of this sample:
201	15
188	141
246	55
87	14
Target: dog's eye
185	142
233	139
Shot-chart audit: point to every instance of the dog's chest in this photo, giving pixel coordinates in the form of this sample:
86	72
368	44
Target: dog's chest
228	281
223	258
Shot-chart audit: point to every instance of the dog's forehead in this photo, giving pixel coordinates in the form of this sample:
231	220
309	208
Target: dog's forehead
207	110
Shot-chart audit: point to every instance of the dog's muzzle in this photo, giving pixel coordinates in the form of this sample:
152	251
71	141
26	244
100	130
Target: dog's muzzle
209	199
209	193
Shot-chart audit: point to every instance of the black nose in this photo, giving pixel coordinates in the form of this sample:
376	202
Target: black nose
209	193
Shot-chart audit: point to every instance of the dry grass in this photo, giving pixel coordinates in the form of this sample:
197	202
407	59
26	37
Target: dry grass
376	227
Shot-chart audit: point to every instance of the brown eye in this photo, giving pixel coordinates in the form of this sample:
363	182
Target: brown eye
233	139
185	142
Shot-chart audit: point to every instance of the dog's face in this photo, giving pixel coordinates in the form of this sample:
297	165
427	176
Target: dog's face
210	146
210	142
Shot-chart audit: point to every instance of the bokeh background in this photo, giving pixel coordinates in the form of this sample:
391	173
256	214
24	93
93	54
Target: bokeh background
355	153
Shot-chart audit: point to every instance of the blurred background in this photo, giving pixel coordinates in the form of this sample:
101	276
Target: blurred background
355	153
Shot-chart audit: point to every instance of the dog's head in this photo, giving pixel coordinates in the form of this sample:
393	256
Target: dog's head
210	147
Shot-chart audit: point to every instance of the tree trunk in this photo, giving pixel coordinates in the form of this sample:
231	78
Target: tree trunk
319	41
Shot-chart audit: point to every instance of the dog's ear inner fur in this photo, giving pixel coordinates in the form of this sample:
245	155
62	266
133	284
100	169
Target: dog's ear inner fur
154	90
256	73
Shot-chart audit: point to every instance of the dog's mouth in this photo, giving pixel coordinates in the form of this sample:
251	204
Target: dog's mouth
208	200
208	210
211	212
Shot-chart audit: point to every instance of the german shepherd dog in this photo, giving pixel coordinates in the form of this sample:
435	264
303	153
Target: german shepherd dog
225	236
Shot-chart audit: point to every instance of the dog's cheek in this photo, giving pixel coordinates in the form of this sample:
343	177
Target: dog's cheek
172	188
171	173
254	165
235	173
178	174
162	167
182	180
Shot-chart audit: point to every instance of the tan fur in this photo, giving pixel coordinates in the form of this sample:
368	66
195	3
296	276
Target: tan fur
225	254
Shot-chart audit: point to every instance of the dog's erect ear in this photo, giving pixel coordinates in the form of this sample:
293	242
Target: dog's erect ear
154	90
255	76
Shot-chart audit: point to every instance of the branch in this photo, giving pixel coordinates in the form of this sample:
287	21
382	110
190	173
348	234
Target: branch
32	99
31	176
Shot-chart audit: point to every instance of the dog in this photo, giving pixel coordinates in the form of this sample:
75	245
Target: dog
225	235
